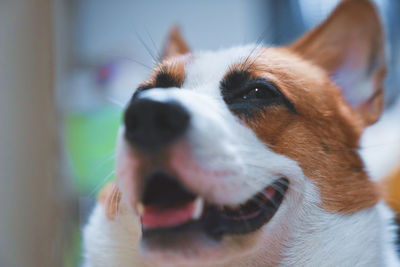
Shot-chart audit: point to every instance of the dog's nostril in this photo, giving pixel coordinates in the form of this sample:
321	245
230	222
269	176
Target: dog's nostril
164	190
150	125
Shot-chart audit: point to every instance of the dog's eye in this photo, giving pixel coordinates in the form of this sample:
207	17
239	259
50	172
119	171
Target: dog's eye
260	92
253	95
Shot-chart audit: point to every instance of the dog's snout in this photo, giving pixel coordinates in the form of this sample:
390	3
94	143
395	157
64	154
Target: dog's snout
151	125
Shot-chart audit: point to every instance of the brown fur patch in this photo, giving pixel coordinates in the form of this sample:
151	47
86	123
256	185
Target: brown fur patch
390	188
110	196
173	67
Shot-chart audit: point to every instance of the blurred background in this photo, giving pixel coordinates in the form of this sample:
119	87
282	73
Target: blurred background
82	59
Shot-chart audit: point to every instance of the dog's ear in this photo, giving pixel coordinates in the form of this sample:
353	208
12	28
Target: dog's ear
349	46
175	44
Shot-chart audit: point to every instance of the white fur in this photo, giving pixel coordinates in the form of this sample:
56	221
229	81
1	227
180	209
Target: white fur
380	143
300	231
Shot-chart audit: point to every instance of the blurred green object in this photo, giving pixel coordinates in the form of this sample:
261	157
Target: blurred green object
90	143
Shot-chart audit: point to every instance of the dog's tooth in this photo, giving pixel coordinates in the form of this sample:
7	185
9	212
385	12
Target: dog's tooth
140	208
198	208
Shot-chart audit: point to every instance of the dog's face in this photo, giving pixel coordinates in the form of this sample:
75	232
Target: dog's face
222	152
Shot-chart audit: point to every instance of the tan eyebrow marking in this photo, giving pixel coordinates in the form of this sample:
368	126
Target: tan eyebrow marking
169	73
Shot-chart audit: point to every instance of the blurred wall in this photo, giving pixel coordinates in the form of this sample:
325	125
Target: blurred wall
31	211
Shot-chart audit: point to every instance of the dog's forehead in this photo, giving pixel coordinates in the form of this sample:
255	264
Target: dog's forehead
207	68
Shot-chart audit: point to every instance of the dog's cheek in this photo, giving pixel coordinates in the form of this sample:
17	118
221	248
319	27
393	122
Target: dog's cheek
326	155
270	124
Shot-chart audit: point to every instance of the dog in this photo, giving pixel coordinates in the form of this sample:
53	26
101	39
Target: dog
248	156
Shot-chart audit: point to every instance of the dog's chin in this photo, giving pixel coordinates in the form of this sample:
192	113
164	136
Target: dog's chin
195	248
188	248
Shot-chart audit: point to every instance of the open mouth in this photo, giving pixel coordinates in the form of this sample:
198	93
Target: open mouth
169	208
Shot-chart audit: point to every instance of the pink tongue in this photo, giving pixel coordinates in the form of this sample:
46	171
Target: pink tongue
156	217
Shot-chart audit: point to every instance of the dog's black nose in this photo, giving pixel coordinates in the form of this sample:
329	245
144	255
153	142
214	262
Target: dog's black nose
151	125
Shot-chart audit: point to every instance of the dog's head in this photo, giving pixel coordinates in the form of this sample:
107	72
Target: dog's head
222	152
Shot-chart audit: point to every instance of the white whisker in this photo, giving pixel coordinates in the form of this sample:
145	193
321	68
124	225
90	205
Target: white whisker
102	183
115	102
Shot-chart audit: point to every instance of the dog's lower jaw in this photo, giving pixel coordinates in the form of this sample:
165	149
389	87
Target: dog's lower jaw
310	237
